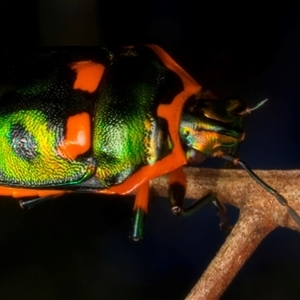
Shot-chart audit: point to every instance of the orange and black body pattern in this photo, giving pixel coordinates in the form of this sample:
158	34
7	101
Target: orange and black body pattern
107	121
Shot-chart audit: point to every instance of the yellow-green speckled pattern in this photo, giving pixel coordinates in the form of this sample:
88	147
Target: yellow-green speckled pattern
126	133
29	153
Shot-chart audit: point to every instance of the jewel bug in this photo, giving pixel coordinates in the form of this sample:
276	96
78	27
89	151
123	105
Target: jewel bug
102	121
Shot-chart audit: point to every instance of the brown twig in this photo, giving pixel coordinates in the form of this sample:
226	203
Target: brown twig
260	214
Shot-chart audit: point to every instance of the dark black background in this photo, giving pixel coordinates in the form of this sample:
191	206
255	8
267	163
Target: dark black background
77	247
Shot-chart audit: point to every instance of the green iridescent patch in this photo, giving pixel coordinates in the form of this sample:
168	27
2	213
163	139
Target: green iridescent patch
29	155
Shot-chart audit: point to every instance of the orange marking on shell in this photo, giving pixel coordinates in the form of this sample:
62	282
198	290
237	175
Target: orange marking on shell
89	75
172	112
23	192
78	136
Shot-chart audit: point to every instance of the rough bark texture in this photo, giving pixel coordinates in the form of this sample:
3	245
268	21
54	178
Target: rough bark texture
260	213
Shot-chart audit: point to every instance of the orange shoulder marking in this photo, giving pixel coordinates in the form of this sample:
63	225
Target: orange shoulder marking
78	136
172	113
89	75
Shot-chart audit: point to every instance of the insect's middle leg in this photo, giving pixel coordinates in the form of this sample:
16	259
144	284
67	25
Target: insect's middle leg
140	210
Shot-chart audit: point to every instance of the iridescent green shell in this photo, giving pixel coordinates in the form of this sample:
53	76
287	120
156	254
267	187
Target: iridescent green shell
127	133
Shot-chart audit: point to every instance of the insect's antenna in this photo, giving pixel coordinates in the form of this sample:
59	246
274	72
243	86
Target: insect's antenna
272	191
248	110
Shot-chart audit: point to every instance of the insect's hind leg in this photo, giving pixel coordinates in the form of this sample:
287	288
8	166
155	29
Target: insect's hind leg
31	203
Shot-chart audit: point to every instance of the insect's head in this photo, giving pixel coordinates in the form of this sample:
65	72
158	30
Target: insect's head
211	127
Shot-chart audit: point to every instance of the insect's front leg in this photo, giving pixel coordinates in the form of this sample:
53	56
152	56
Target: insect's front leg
177	187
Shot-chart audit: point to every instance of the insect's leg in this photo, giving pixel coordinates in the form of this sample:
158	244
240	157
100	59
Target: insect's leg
222	213
140	210
233	151
201	203
177	187
268	188
28	204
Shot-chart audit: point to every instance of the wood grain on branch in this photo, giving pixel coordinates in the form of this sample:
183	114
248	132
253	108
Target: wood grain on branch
260	213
